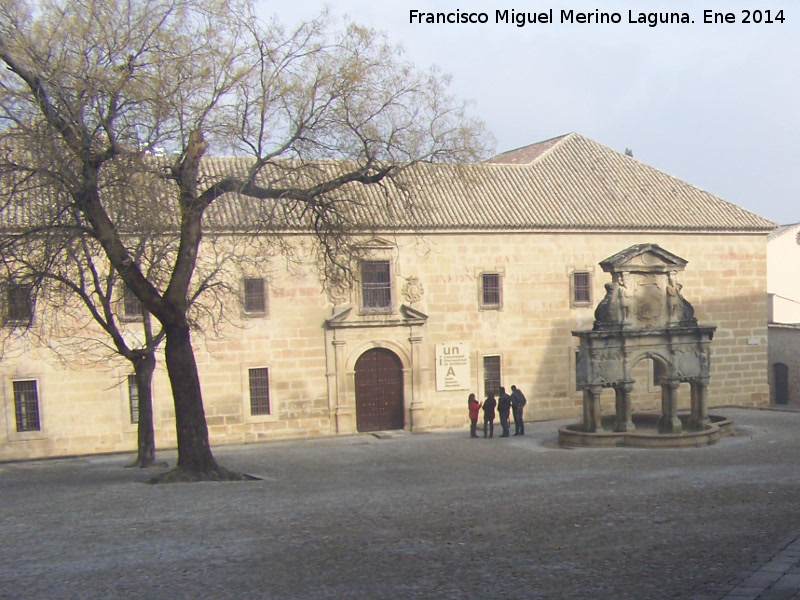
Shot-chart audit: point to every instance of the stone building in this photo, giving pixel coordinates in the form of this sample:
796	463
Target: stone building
480	285
783	287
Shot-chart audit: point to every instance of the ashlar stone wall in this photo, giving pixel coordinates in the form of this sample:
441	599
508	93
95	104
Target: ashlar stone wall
310	342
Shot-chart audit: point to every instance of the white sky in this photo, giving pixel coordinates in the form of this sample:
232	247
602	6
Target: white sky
715	105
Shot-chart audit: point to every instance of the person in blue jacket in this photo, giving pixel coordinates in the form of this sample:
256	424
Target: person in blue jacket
518	403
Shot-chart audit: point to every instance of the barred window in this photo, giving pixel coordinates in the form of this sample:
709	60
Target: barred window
131	305
259	391
581	288
490	290
491	375
133	399
255	297
26	406
376	285
19	304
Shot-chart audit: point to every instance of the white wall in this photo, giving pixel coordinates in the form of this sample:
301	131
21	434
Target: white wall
783	275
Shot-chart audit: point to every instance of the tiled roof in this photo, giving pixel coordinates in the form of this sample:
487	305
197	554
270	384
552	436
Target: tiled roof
526	154
580	183
779	231
567	183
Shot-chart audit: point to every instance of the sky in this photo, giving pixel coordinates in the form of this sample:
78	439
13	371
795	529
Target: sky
716	105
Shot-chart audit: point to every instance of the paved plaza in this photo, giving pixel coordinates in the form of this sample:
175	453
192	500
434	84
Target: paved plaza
434	515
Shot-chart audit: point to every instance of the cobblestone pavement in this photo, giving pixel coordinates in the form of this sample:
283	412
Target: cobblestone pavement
776	579
419	516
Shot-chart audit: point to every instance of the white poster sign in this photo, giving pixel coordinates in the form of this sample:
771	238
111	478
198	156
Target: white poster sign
452	367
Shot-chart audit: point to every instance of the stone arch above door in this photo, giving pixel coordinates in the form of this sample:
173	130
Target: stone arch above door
349	336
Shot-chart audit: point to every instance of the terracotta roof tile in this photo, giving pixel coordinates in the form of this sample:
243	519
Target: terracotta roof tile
567	183
526	154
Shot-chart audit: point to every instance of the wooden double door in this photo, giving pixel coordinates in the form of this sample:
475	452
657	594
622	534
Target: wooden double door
379	391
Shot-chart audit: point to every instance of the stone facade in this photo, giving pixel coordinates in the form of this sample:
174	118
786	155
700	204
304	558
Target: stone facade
310	345
480	285
783	285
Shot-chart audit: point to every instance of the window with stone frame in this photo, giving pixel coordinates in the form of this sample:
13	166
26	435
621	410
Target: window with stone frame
19	305
255	296
376	286
581	288
132	308
26	405
259	391
491	375
491	292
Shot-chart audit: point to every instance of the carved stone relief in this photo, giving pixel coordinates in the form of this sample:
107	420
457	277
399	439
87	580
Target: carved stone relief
413	290
644	292
338	295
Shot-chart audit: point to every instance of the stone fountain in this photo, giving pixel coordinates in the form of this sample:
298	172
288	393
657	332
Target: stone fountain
644	316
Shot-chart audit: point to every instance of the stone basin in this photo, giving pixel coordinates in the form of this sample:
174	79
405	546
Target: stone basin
645	434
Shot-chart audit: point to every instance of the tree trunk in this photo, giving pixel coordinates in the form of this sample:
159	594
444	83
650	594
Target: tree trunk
194	451
143	367
195	460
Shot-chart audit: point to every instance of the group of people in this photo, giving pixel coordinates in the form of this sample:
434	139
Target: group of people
506	405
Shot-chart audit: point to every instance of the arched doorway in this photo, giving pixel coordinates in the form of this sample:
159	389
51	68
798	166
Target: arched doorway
379	391
780	374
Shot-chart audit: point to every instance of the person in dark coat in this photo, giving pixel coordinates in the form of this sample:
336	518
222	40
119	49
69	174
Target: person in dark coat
488	414
503	410
518	403
474	409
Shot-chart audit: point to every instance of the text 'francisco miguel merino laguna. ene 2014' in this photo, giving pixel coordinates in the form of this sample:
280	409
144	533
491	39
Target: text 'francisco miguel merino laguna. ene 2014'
597	17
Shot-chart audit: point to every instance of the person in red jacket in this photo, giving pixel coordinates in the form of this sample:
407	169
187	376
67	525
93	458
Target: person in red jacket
474	409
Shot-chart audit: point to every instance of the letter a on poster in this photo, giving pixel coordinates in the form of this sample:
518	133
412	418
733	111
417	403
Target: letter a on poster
452	367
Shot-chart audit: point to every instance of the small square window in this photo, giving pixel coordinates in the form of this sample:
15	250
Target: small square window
581	284
376	286
259	391
491	290
255	296
26	406
131	304
19	305
491	375
133	399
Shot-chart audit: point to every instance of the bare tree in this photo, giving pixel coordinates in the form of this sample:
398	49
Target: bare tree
72	278
97	317
94	88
